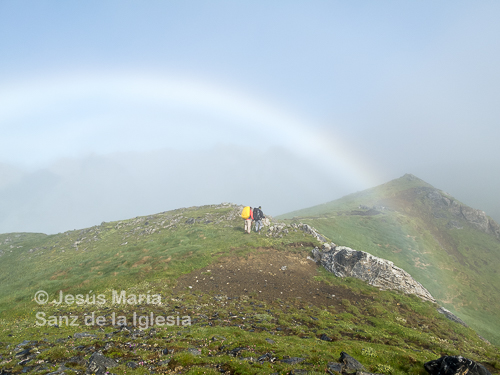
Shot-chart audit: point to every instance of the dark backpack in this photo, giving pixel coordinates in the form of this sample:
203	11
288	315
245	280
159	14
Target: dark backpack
257	214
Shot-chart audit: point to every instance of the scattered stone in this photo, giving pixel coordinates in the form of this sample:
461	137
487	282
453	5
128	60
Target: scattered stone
132	364
98	364
266	357
334	367
234	352
194	351
351	365
25	361
298	372
270	341
137	333
324	337
293	360
217	337
76	360
23	344
80	335
248	359
455	365
58	372
23	353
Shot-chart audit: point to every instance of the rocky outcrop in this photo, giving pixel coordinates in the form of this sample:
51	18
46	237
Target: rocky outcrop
476	218
381	273
310	230
494	228
282	229
455	365
451	316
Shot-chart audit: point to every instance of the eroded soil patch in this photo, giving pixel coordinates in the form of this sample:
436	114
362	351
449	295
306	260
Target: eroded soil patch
267	275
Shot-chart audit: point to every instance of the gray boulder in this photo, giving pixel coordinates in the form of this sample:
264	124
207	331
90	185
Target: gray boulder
98	364
381	273
334	367
293	360
351	365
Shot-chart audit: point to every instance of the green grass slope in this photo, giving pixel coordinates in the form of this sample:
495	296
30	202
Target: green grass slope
303	323
421	230
157	247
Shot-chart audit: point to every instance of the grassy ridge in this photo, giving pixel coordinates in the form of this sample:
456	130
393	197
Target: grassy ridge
457	265
388	332
119	254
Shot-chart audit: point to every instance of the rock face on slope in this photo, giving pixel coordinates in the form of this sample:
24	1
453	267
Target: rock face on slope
381	273
452	316
476	218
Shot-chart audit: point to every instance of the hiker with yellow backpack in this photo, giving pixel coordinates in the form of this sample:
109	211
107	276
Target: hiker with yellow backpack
247	214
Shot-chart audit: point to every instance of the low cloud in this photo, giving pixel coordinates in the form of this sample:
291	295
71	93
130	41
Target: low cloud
78	193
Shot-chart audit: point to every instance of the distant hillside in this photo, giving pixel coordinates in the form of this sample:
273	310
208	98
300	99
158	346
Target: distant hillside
452	249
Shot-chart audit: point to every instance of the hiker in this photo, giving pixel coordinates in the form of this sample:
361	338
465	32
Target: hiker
248	220
258	215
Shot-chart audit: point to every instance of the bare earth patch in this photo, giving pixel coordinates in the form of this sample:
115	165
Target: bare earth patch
267	275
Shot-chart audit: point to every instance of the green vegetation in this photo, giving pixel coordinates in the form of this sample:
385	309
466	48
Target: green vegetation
386	332
399	222
158	247
155	255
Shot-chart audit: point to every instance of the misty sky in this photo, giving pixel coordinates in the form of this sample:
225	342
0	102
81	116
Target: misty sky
115	109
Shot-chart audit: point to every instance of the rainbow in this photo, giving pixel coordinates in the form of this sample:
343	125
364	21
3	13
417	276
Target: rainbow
104	102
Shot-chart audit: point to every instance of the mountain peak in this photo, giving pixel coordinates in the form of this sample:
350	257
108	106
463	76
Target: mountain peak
407	181
411	177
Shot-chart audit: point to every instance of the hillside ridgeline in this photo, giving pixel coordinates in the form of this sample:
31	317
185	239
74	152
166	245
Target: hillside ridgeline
451	249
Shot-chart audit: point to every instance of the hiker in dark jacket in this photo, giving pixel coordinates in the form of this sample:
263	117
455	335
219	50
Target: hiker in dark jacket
258	215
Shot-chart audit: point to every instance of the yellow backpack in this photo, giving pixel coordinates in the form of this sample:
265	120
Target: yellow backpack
245	214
